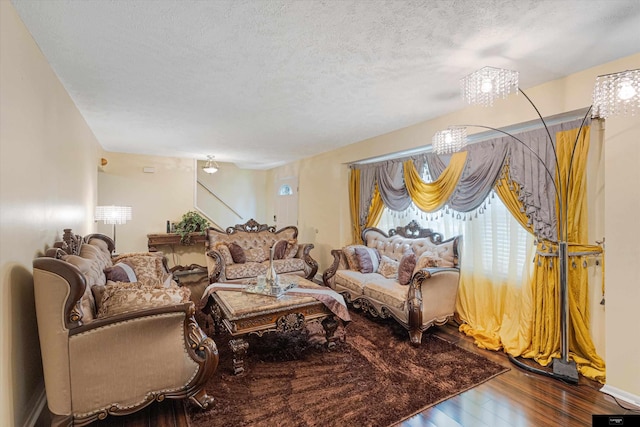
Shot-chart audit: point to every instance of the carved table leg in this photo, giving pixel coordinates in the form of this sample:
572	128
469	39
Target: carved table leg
239	348
330	324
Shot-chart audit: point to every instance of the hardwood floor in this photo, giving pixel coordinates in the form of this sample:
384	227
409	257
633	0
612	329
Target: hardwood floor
515	398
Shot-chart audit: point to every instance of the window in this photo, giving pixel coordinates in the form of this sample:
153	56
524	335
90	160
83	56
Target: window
494	243
285	190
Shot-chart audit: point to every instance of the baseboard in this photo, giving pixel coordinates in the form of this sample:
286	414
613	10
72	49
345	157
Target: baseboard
621	394
37	402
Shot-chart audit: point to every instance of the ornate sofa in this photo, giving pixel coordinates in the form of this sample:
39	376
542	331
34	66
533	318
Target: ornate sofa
242	252
114	347
410	274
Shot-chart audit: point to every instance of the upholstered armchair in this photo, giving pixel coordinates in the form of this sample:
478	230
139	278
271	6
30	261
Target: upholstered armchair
96	365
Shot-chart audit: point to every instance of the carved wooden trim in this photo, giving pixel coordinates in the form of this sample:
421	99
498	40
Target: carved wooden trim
309	260
251	226
331	271
414	308
409	231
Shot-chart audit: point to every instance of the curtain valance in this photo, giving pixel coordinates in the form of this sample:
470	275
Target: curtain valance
468	178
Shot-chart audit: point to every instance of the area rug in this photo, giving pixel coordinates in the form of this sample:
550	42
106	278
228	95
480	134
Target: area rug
372	378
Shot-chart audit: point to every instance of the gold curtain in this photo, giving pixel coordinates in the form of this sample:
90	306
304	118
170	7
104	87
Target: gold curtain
546	334
525	320
375	209
430	197
354	201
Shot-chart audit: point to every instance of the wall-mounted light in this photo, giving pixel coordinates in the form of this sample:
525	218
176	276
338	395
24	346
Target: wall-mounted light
211	166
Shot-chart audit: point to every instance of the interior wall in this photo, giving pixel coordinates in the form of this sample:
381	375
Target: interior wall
167	194
48	181
240	195
324	198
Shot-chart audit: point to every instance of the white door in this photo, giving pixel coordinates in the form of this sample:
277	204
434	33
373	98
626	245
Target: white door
286	202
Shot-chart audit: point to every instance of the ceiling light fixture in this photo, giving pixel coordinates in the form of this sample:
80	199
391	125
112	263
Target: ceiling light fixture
211	166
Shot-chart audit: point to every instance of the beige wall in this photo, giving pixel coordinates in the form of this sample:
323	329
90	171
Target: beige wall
48	181
168	193
324	198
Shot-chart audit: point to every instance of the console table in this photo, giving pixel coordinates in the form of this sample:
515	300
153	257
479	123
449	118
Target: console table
171	239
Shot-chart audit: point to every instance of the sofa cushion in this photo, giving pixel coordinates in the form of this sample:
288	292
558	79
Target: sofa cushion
386	291
126	297
388	267
406	267
255	255
120	272
367	259
287	265
353	280
245	270
237	253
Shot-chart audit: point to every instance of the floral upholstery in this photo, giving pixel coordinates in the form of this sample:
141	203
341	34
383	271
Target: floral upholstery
255	241
121	297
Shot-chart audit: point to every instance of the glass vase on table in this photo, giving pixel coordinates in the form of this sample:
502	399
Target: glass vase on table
271	278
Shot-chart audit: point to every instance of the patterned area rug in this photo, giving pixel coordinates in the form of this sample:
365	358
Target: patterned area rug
372	378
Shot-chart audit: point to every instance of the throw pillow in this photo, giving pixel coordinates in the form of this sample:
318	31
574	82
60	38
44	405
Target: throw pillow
350	255
237	253
367	258
388	267
406	267
121	298
224	252
120	272
292	248
280	249
148	268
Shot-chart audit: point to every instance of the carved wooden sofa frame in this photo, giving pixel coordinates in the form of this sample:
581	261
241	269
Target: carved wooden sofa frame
59	290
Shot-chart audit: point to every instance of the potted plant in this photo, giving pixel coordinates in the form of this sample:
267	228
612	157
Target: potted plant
191	222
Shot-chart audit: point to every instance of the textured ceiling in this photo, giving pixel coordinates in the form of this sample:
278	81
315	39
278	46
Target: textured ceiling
261	83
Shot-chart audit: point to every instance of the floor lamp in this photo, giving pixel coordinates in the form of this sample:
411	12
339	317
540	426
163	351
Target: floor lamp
113	215
614	94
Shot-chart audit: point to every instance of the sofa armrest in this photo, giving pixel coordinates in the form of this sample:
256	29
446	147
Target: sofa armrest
215	266
431	298
164	353
339	263
303	253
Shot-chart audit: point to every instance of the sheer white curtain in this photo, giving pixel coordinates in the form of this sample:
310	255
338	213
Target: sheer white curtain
494	245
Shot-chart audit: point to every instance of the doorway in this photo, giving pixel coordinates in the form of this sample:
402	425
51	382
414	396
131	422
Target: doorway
286	202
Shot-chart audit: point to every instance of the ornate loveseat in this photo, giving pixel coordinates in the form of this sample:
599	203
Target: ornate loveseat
114	347
410	274
242	252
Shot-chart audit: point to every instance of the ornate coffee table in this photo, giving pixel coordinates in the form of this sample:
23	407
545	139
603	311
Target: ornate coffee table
242	313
